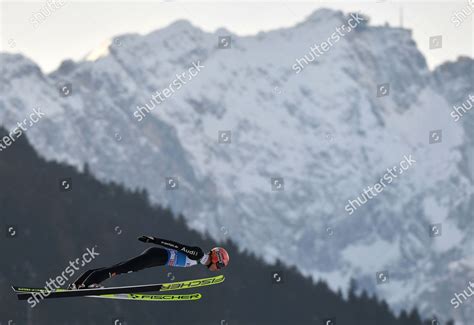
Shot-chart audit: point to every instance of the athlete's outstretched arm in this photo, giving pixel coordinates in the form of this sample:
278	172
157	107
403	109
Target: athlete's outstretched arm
193	252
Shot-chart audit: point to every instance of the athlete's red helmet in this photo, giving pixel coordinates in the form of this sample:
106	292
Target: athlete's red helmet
219	257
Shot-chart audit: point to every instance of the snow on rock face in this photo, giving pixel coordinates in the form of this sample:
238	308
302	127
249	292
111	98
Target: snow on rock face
323	131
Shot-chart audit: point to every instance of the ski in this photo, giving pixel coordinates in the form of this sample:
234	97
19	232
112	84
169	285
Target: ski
19	290
143	297
24	293
191	284
44	294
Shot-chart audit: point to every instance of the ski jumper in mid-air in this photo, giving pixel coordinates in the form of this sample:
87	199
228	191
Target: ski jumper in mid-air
173	254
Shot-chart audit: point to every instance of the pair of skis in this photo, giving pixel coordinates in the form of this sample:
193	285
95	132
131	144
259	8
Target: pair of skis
127	293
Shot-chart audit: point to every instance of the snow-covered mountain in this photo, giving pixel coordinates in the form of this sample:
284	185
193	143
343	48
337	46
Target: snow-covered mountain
324	131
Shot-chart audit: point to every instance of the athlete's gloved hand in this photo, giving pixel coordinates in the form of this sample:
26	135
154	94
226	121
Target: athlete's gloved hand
147	239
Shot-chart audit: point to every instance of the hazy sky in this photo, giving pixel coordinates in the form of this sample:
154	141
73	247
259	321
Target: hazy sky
79	27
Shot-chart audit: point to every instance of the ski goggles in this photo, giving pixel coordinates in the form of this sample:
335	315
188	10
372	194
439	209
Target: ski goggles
220	265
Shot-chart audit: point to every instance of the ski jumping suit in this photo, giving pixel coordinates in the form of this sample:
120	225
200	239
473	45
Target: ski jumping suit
176	254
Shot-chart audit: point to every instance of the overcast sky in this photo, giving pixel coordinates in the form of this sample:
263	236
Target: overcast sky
79	27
